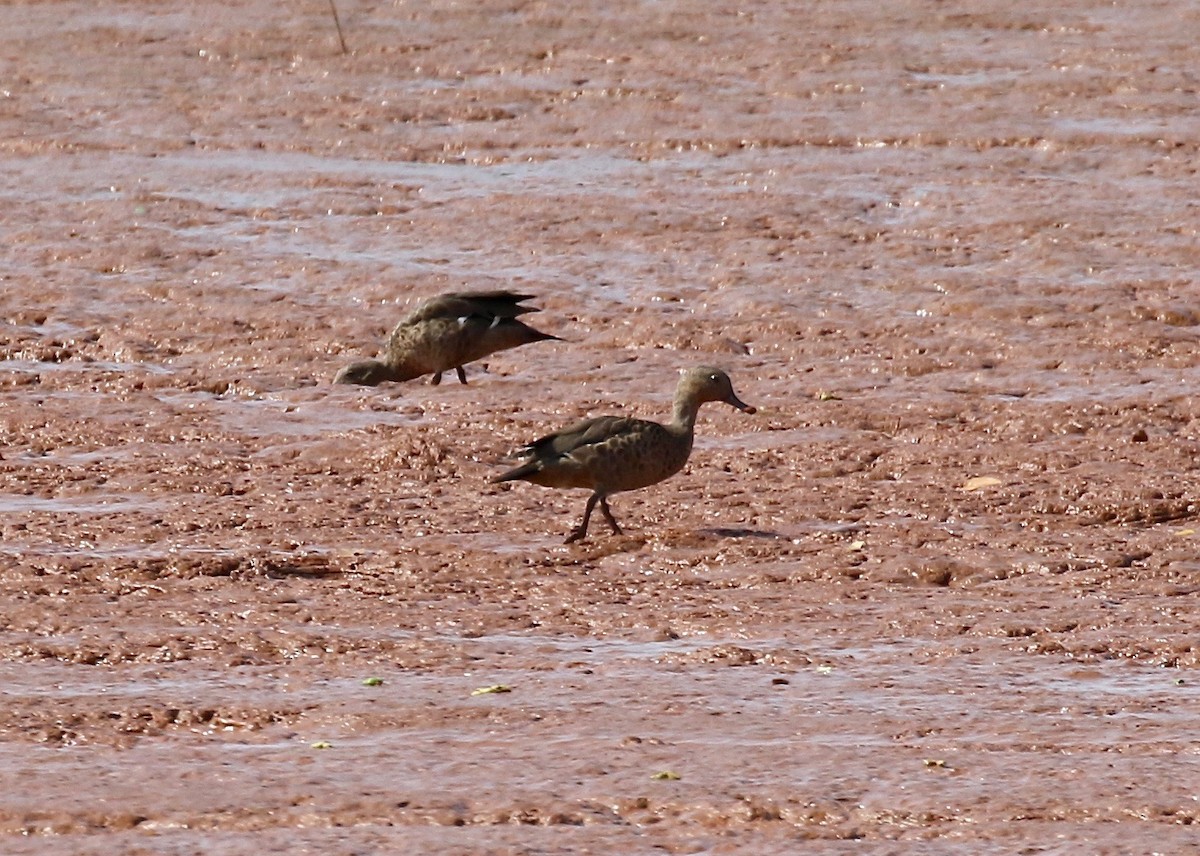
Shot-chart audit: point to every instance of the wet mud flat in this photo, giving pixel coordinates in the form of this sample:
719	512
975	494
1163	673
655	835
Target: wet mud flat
938	595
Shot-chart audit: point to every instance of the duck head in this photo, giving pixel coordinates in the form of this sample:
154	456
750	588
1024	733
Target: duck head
705	383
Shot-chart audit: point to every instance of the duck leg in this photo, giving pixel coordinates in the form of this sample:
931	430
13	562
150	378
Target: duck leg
436	379
608	515
581	530
462	375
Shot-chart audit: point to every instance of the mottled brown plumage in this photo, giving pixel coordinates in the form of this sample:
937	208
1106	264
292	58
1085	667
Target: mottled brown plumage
447	332
609	454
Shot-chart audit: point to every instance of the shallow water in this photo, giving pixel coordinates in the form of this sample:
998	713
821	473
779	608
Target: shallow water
938	595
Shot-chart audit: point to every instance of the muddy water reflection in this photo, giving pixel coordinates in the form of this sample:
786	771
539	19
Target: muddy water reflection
855	741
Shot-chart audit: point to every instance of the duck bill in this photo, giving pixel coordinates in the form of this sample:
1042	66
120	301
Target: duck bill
734	401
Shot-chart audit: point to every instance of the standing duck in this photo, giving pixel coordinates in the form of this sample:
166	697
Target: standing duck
447	332
609	454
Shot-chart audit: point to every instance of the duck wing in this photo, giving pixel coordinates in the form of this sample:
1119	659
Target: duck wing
555	453
488	305
589	432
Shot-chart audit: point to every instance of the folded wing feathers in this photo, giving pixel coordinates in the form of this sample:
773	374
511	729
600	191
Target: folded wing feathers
471	304
586	433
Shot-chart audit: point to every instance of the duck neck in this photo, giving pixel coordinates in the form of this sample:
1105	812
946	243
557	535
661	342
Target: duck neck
375	372
401	371
686	408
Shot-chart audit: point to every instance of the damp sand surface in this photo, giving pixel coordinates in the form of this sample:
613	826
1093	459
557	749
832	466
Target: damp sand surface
939	595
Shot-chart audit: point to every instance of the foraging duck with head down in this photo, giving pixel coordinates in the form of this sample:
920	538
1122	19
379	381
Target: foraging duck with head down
609	454
447	332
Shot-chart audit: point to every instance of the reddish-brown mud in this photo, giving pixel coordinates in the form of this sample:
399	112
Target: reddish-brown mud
939	595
